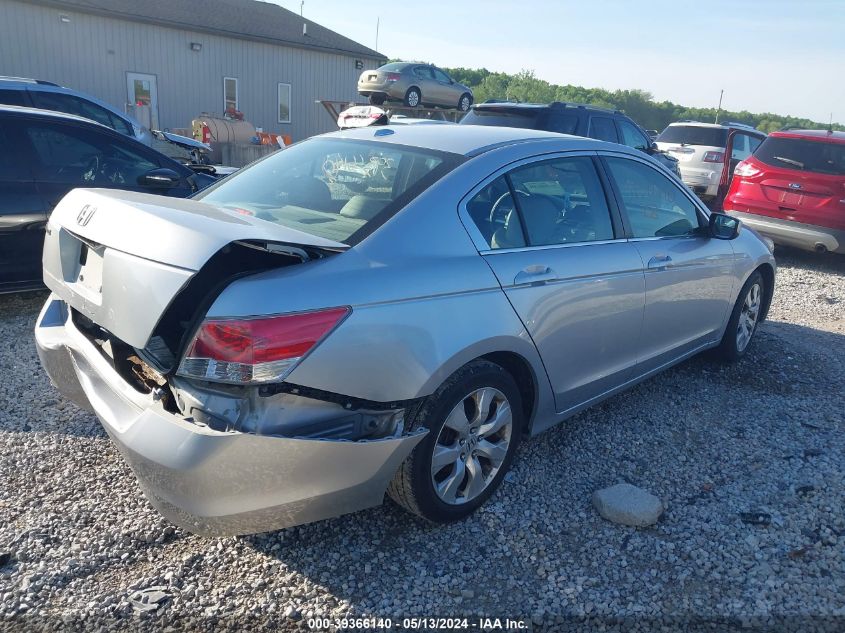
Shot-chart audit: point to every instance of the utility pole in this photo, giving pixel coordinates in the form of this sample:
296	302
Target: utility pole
378	19
301	7
719	109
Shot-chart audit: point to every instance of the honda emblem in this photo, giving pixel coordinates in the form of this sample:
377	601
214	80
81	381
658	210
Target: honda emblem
86	213
794	185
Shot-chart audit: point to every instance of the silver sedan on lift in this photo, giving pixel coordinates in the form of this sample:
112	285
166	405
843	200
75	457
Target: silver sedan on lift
381	310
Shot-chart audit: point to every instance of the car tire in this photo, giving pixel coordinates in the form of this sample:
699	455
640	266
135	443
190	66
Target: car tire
744	320
377	99
467	475
413	97
465	102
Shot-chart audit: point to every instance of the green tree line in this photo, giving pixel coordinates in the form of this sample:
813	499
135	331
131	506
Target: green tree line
637	104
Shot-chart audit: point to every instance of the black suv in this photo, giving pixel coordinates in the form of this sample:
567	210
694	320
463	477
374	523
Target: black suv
45	154
570	118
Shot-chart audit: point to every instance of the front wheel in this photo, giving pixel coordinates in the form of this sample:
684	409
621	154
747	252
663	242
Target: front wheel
474	420
464	102
744	320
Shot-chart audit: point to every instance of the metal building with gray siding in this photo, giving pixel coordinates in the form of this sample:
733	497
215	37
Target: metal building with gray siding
185	57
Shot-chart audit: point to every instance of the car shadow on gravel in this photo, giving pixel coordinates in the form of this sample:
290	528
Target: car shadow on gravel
707	438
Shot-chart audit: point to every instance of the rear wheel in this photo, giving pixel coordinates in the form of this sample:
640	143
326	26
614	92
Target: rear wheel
376	99
413	97
744	320
474	421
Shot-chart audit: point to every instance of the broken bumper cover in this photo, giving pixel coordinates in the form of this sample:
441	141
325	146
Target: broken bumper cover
211	482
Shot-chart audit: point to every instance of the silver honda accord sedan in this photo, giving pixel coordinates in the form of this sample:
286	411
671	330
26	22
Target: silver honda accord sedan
386	310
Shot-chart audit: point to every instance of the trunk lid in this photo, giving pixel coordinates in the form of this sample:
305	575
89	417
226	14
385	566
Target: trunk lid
120	258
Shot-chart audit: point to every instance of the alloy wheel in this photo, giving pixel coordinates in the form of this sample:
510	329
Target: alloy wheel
471	446
748	317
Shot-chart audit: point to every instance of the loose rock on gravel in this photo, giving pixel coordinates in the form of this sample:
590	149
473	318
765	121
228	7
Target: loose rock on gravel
714	442
627	505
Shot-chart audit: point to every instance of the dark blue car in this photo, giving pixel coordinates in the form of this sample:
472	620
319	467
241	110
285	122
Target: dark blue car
45	154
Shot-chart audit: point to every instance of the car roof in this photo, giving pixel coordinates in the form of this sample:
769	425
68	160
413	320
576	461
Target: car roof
494	104
25	83
23	110
727	125
467	140
812	135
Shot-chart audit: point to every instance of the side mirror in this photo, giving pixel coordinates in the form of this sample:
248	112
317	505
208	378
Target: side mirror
723	226
161	178
653	147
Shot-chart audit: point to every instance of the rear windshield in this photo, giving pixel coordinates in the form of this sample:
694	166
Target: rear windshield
394	66
694	135
795	153
539	119
336	189
502	118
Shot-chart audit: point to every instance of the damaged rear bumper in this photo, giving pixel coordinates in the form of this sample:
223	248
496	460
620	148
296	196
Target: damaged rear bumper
216	482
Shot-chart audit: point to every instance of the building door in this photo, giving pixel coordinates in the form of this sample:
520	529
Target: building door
143	98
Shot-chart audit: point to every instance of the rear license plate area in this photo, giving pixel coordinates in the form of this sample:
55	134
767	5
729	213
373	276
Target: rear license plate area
91	268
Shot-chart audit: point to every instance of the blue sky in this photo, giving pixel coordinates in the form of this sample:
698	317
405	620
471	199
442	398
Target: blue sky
780	56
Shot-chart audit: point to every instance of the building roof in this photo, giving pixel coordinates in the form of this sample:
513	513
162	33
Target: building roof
246	19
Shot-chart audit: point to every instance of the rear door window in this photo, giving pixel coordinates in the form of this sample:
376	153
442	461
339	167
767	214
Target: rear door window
602	128
13	158
803	155
559	201
694	135
562	123
13	97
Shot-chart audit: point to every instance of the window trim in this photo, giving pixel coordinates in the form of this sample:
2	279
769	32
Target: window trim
237	93
613	126
481	244
703	211
279	102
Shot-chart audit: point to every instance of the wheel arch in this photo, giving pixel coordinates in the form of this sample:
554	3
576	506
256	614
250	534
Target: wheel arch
525	378
768	273
524	365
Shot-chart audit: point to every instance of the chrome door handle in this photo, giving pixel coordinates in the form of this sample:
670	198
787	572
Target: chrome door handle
534	275
660	261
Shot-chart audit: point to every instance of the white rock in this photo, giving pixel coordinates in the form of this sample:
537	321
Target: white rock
628	505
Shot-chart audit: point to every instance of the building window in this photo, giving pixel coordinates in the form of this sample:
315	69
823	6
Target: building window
230	93
284	103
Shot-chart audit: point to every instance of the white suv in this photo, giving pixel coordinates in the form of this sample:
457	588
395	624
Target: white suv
700	150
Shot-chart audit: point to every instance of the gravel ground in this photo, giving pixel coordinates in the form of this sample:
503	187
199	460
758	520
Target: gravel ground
761	441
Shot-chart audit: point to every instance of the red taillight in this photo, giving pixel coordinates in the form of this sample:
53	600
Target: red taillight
261	350
393	76
714	157
746	170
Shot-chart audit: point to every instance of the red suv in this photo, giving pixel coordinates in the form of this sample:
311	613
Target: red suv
792	189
